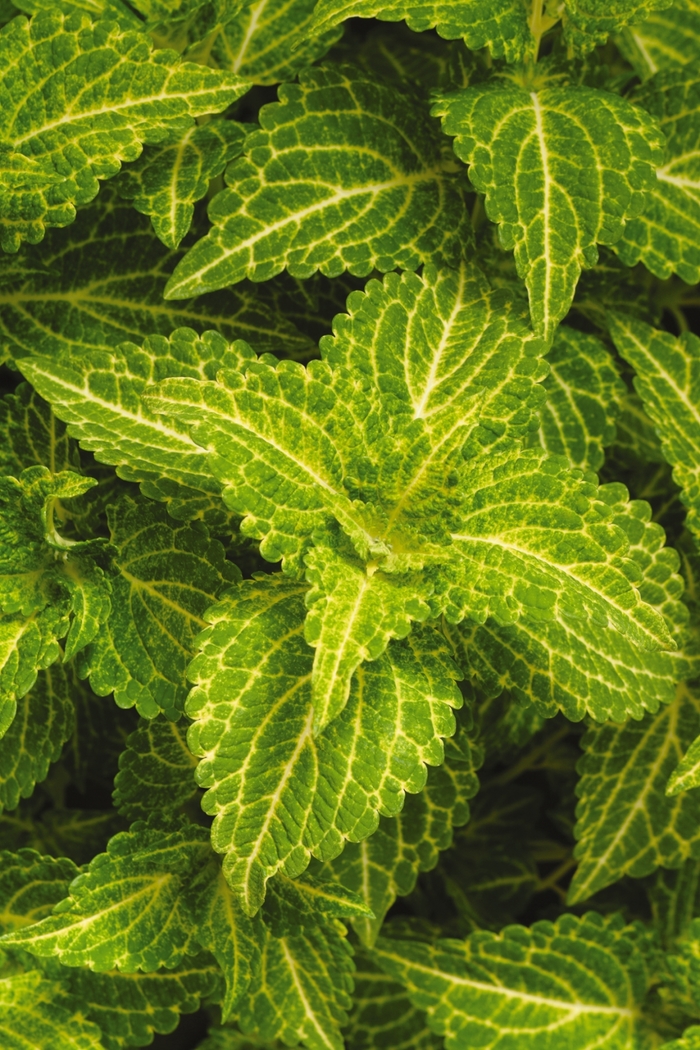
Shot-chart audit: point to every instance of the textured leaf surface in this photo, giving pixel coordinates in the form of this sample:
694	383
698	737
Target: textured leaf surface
166	181
276	792
626	824
30	886
32	436
583	979
156	770
168	576
35	1013
127	96
376	193
383	1017
588	22
561	169
668	381
666	38
665	236
100	283
100	396
502	25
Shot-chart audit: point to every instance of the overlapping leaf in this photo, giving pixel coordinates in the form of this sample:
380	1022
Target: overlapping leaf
36	1012
167	575
664	237
383	1017
584	979
166	181
126	96
377	192
30	887
626	823
562	169
666	38
589	22
278	793
32	436
156	770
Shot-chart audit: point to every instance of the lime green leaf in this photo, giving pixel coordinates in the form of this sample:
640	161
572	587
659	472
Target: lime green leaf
636	441
500	24
128	95
590	22
686	775
100	283
626	823
168	576
668	383
268	41
689	1041
294	903
166	181
100	396
377	192
130	1007
387	864
28	644
115	10
665	39
156	770
579	171
278	794
665	236
43	722
30	886
383	1017
583	979
583	391
36	1013
127	910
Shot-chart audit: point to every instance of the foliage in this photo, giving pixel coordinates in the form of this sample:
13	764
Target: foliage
349	524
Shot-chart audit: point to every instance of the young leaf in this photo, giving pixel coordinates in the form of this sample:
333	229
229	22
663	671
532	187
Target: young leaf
626	824
127	96
383	1017
268	41
376	192
168	574
666	38
127	911
100	396
668	382
562	169
44	721
156	770
665	236
30	886
37	1013
100	283
502	25
584	979
277	793
583	392
166	181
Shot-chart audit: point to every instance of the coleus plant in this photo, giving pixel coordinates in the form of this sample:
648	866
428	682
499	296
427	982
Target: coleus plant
349	510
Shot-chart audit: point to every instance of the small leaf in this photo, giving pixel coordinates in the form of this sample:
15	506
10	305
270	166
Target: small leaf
156	770
30	886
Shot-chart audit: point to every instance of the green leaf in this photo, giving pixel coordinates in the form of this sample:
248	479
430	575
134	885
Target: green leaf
589	22
689	1041
583	391
277	793
383	1017
107	121
30	886
37	1013
673	898
668	383
582	979
168	576
130	1007
562	169
100	395
166	181
664	237
127	910
665	39
44	721
232	1039
686	775
156	770
626	824
296	203
75	833
502	25
112	9
100	283
268	41
32	436
387	864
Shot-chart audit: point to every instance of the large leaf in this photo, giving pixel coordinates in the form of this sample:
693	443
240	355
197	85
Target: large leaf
626	823
168	574
664	237
376	192
277	793
100	283
589	22
666	38
582	979
36	1012
127	96
562	169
